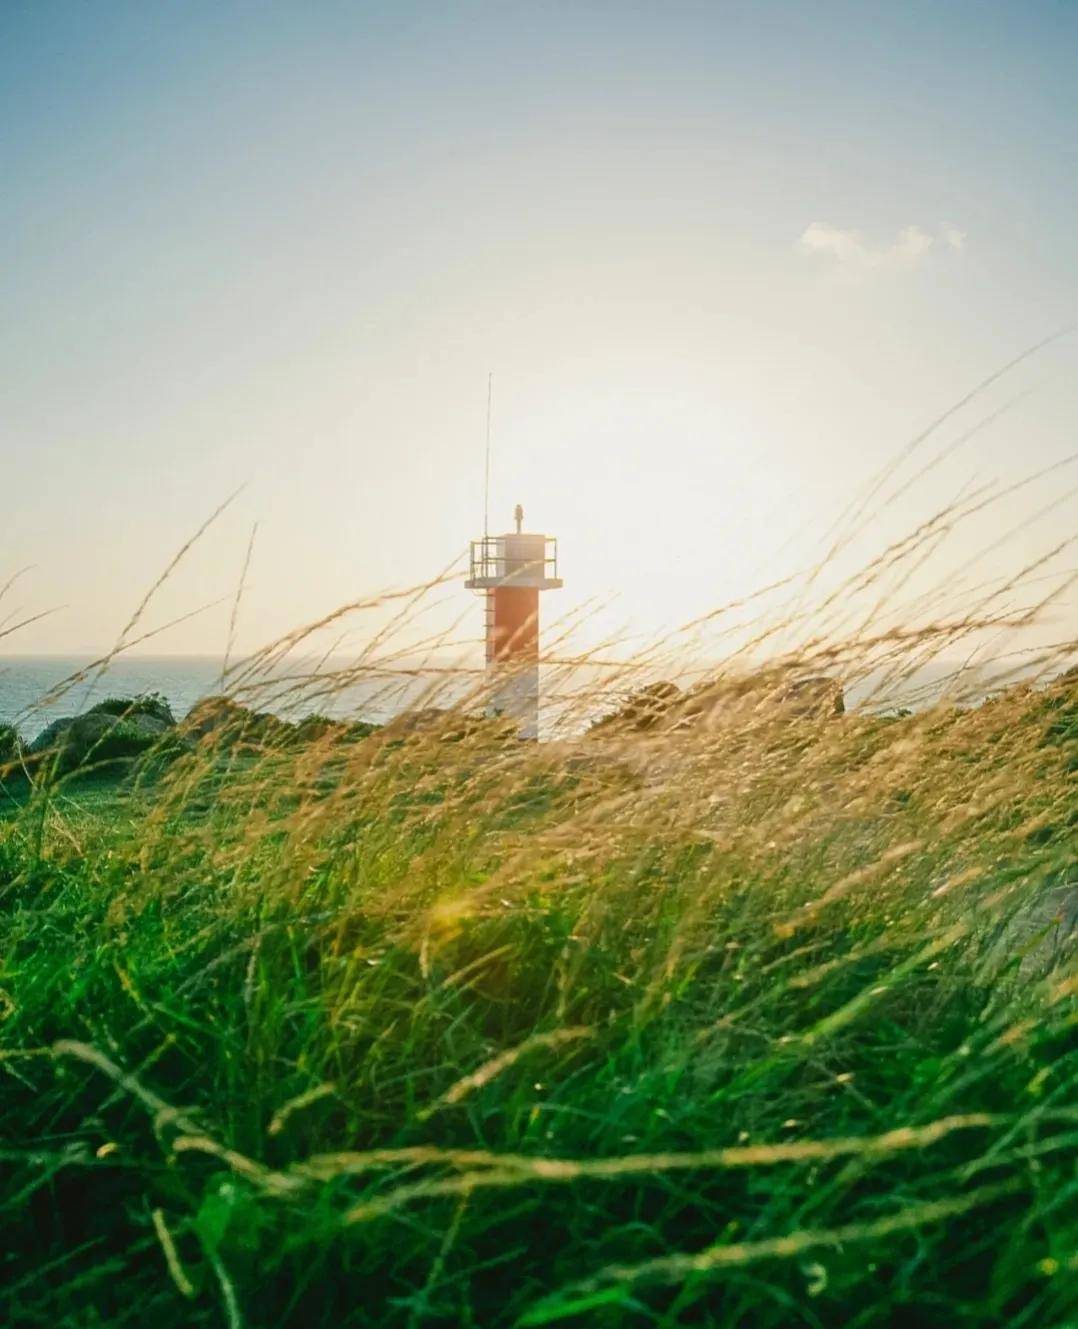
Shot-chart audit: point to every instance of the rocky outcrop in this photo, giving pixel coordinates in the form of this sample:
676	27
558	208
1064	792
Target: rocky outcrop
650	706
662	707
10	748
448	725
226	722
816	695
220	721
116	730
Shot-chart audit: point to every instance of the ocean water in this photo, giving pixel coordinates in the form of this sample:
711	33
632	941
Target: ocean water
35	690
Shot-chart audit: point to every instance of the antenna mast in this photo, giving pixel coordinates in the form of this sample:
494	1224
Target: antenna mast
486	484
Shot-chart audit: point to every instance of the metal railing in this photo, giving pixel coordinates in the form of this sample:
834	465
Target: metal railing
490	559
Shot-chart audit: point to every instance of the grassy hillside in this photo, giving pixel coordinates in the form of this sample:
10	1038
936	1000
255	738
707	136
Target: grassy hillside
768	1020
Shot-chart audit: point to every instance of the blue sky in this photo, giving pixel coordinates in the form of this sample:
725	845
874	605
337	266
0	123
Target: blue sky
724	260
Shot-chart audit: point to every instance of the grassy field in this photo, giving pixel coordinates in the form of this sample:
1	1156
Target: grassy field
768	1021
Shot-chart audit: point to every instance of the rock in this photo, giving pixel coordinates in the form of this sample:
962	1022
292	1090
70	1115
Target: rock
211	714
228	723
641	710
816	696
734	701
98	737
446	725
321	729
10	747
220	720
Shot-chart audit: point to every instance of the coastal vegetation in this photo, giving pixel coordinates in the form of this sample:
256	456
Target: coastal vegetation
731	1010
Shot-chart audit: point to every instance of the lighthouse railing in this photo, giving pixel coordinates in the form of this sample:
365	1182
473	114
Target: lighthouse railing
492	559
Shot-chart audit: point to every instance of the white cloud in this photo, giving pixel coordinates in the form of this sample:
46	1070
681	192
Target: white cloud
849	247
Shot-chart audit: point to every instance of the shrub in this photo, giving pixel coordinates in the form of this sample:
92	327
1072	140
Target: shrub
152	704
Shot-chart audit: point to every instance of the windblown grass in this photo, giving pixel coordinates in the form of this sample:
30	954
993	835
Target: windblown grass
763	1018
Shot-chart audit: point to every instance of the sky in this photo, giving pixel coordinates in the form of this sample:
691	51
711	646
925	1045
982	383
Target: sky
724	262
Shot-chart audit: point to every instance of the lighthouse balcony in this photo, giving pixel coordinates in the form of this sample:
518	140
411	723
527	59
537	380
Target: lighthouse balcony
519	559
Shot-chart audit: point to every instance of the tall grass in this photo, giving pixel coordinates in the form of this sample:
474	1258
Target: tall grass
759	1015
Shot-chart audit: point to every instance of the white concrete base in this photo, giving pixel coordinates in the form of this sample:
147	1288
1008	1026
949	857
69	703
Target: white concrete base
515	696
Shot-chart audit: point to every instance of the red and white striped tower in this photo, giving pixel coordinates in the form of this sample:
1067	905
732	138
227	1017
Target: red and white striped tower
511	570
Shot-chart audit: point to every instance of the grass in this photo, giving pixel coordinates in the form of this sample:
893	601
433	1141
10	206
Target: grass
735	1011
768	1020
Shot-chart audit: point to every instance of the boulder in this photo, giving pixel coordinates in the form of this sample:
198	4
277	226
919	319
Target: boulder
98	737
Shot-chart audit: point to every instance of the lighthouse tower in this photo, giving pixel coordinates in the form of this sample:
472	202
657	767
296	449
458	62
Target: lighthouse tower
511	570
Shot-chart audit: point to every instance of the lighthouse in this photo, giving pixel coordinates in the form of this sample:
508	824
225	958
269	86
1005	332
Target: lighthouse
511	570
